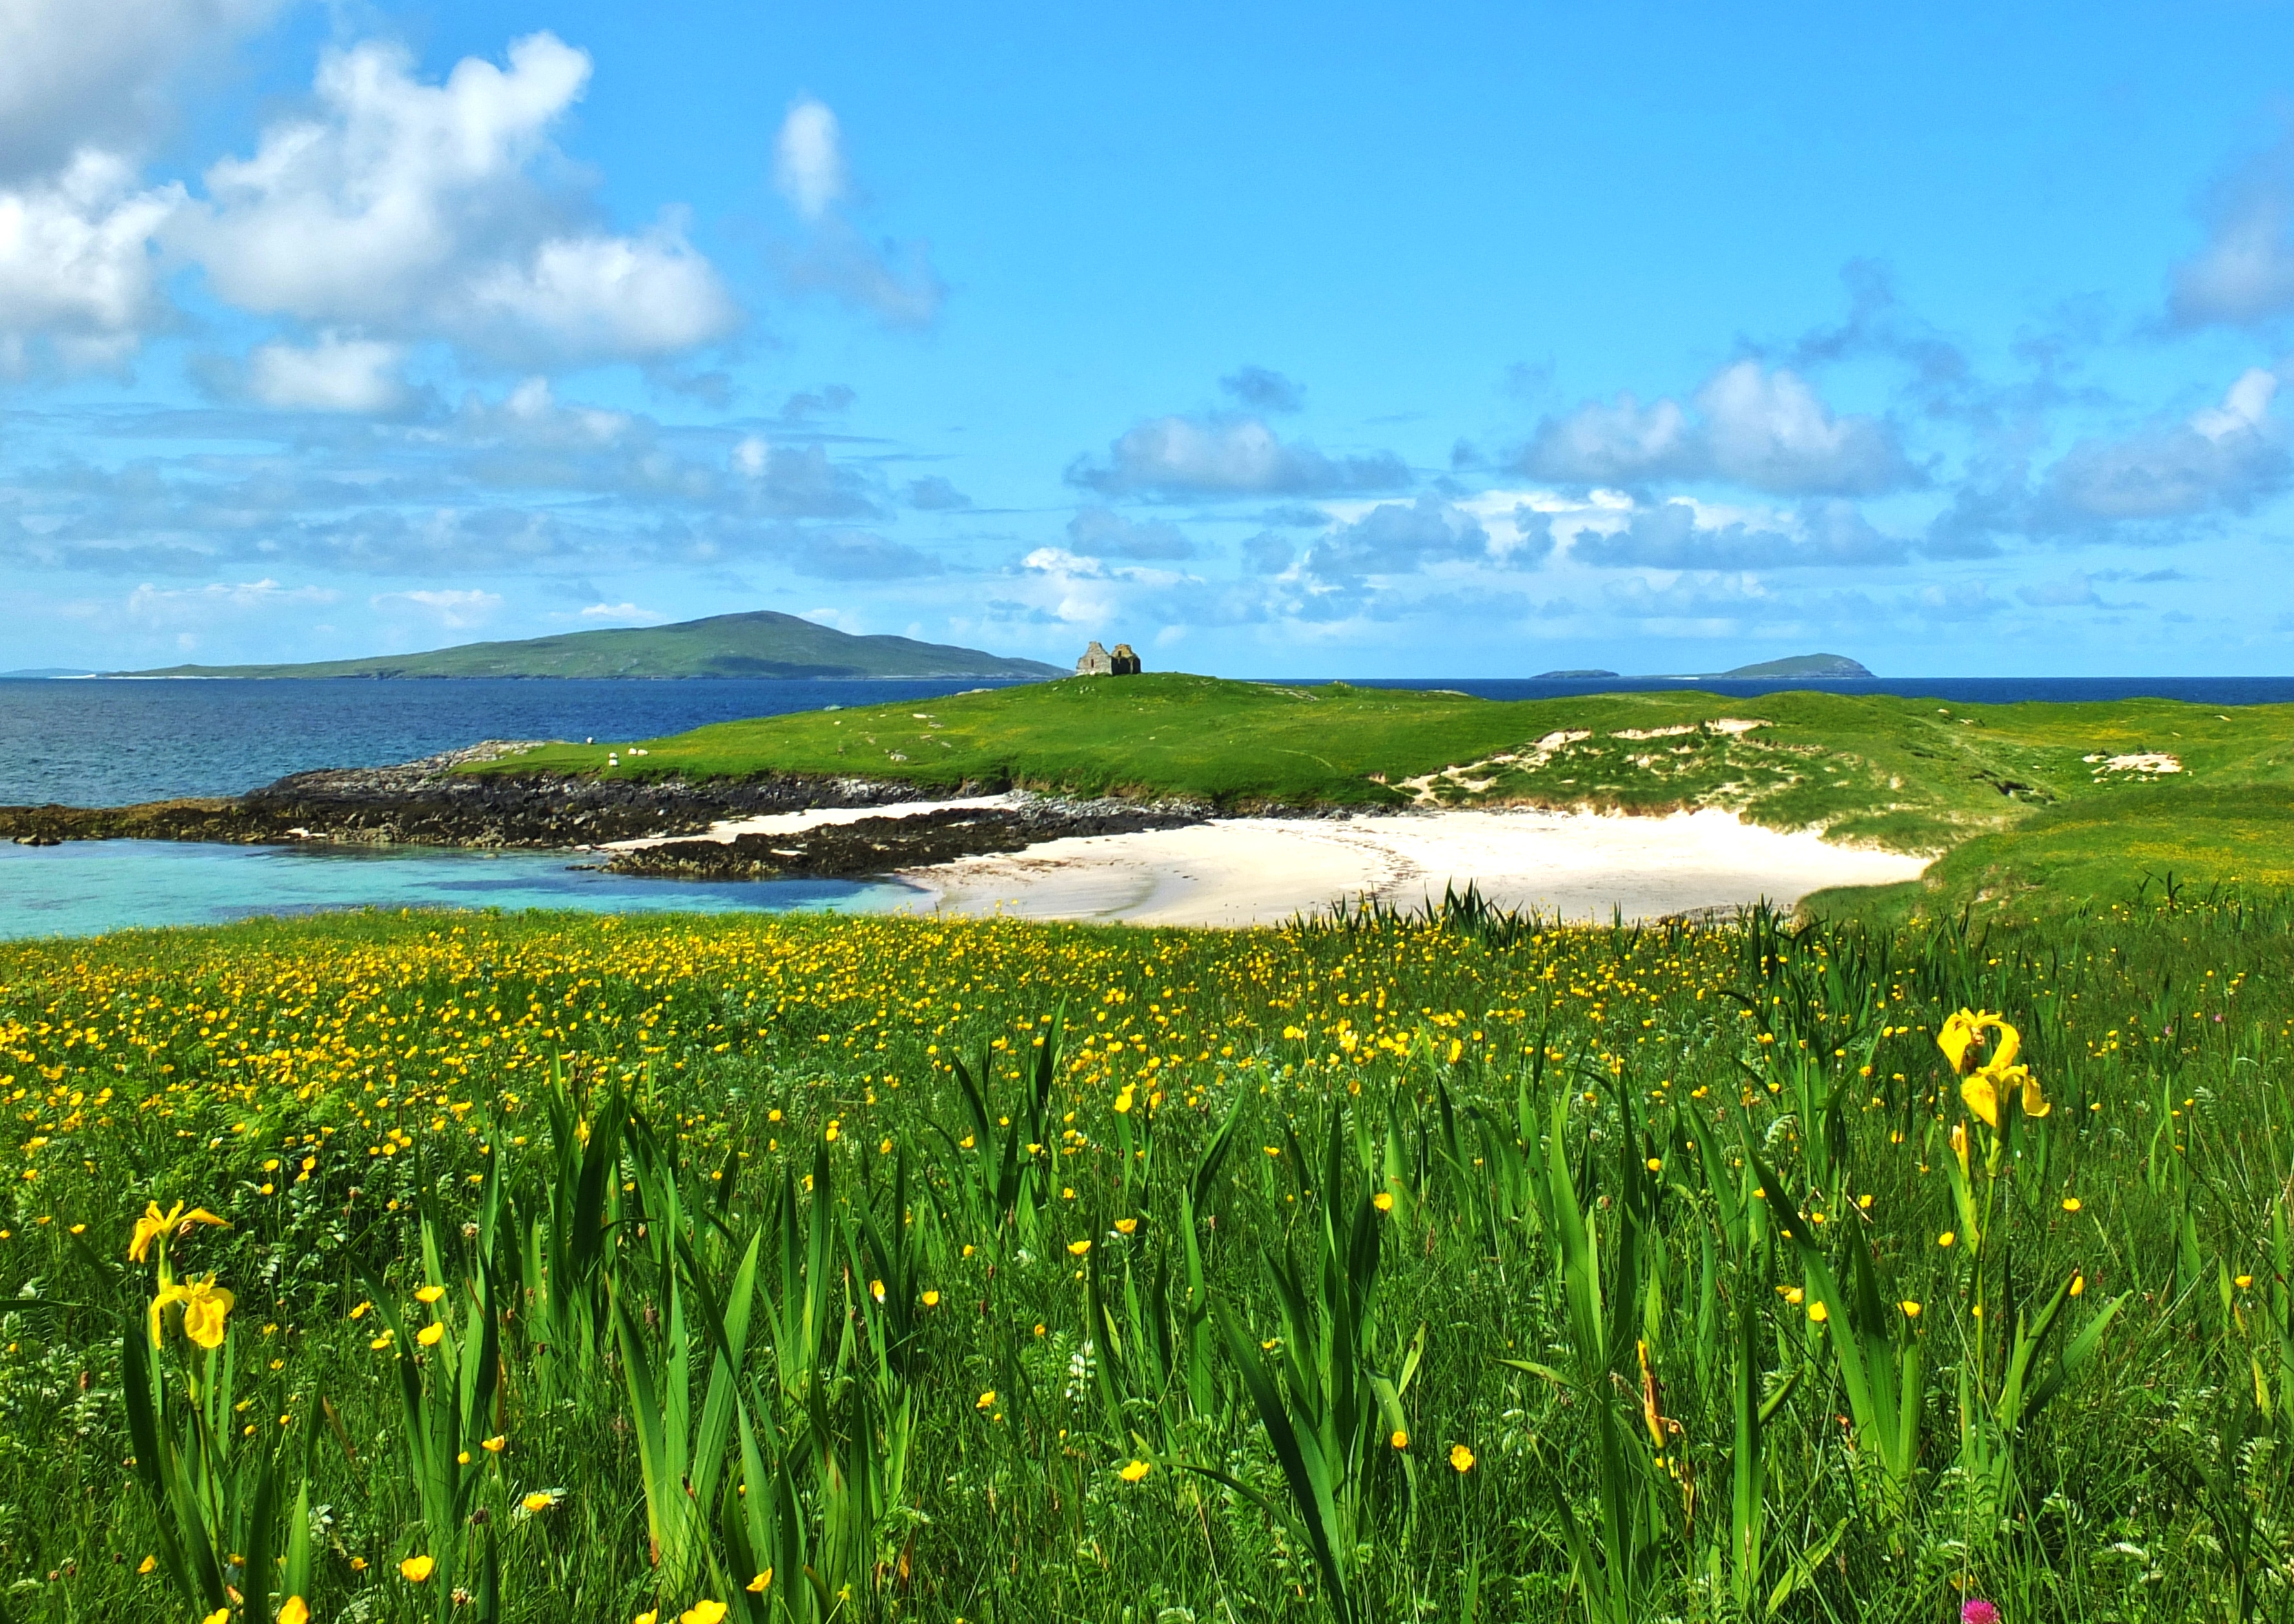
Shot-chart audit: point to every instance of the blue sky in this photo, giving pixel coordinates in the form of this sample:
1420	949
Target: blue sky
1449	340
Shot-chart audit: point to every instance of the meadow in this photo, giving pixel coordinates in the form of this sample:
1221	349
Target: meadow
455	1267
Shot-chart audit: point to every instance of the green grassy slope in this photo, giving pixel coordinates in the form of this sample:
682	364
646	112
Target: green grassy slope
2009	790
759	644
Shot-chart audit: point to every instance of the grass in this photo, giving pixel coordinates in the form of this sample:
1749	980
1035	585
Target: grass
2021	796
1386	1269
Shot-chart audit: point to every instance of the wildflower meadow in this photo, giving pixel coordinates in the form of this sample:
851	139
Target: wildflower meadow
1457	1265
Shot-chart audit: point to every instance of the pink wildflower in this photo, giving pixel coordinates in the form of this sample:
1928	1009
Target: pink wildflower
1979	1611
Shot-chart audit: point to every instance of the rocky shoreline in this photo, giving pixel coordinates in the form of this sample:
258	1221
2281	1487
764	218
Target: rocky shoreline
429	803
880	845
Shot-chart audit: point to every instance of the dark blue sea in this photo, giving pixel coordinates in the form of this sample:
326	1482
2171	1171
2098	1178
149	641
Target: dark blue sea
108	743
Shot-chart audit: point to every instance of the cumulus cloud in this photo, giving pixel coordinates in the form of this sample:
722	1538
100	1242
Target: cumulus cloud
934	494
2227	456
413	209
1677	535
335	374
456	609
808	159
1399	538
79	280
82	74
1615	443
1101	534
1754	426
2244	271
1257	389
1219	456
894	281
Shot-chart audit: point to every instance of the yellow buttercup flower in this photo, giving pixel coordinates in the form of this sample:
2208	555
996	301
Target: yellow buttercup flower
496	1444
1127	1226
428	1294
702	1613
146	1564
1383	1201
430	1335
1401	1440
221	1615
757	1585
538	1502
1136	1470
1461	1458
293	1609
1077	1248
414	1569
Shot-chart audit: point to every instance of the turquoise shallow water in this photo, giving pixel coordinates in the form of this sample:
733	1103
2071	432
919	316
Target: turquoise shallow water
84	887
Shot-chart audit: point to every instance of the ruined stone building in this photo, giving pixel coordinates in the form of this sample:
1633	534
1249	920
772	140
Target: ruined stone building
1098	662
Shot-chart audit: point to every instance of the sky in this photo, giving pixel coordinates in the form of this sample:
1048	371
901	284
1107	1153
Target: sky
1403	341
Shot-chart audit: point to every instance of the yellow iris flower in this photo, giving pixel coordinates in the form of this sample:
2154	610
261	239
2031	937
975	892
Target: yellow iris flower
1963	1032
206	1306
155	1223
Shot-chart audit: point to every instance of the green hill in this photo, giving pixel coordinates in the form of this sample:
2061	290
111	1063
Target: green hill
758	644
2080	799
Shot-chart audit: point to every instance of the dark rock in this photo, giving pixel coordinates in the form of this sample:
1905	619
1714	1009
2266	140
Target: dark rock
880	846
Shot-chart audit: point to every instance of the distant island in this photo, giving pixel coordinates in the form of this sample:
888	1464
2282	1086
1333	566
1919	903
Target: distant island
35	672
760	643
1799	665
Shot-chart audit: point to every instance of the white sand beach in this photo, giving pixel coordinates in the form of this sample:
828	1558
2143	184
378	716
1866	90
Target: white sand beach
1236	871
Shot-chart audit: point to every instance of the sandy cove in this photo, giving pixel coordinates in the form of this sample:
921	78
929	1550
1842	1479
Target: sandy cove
1238	872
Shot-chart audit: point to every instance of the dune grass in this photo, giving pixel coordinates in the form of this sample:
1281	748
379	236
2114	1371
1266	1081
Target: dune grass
2024	798
904	1269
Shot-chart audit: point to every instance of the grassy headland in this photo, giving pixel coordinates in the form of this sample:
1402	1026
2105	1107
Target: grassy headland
2079	799
592	1269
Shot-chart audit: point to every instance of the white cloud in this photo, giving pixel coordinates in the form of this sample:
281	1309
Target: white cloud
895	281
808	159
1768	429
2244	274
623	613
650	295
1620	441
454	608
335	374
2228	456
221	599
79	73
77	277
411	209
1230	455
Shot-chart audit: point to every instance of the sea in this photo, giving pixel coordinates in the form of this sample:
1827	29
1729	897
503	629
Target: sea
112	742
